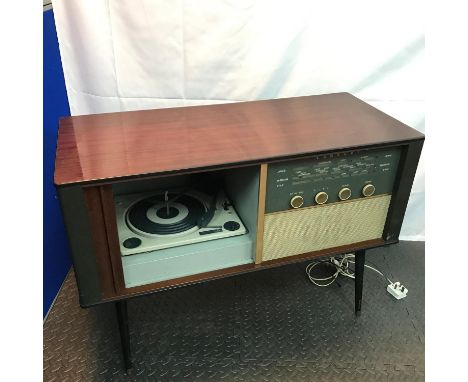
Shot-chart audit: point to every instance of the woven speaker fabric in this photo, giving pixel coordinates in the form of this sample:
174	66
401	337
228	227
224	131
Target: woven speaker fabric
310	229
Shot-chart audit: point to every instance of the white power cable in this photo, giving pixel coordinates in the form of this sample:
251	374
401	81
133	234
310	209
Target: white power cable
342	268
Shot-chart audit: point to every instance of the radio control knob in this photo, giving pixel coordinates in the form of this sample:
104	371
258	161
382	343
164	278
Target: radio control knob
297	201
345	193
321	197
368	190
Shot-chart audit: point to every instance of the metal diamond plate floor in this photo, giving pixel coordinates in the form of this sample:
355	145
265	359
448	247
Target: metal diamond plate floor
272	325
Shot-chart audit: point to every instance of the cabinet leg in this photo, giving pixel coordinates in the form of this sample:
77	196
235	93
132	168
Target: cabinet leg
360	258
122	318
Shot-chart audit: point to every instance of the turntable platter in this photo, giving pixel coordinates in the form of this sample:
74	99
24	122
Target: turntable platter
158	220
152	216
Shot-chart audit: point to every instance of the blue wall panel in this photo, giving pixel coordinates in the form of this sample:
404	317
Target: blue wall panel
57	260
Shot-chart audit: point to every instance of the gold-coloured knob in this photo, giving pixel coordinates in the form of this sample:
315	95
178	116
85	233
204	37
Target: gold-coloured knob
297	201
321	197
345	193
368	190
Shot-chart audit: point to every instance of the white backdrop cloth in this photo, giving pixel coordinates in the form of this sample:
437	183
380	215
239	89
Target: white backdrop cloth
140	54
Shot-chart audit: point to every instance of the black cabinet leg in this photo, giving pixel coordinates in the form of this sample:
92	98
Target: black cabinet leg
360	258
122	318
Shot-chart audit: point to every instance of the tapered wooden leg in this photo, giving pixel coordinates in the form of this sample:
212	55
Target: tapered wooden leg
360	258
122	318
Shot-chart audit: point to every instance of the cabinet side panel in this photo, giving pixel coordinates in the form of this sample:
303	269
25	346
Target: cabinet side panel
401	193
81	243
108	209
97	223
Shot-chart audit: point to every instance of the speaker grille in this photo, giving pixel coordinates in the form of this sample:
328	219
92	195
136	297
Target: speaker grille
295	232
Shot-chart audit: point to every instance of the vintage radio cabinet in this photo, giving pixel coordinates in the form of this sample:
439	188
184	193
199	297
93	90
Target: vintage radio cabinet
307	177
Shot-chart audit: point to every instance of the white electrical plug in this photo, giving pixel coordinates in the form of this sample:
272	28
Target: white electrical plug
397	290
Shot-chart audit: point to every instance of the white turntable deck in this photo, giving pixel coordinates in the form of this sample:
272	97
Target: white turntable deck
157	220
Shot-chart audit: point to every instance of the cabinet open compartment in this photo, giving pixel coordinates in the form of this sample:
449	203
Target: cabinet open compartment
241	187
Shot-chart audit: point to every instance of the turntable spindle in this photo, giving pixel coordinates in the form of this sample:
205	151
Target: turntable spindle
166	200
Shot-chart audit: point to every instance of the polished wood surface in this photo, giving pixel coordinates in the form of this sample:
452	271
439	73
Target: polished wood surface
118	145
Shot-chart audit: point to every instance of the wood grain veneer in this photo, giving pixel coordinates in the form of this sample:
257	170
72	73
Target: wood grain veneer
102	147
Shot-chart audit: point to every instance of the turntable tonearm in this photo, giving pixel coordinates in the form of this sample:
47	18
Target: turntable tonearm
234	188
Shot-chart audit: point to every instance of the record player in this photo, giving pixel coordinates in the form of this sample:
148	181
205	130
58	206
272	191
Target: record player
169	218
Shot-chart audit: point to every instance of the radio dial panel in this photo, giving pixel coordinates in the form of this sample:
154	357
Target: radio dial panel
331	178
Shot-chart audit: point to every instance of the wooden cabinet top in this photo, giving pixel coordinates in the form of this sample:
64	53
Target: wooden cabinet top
102	147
